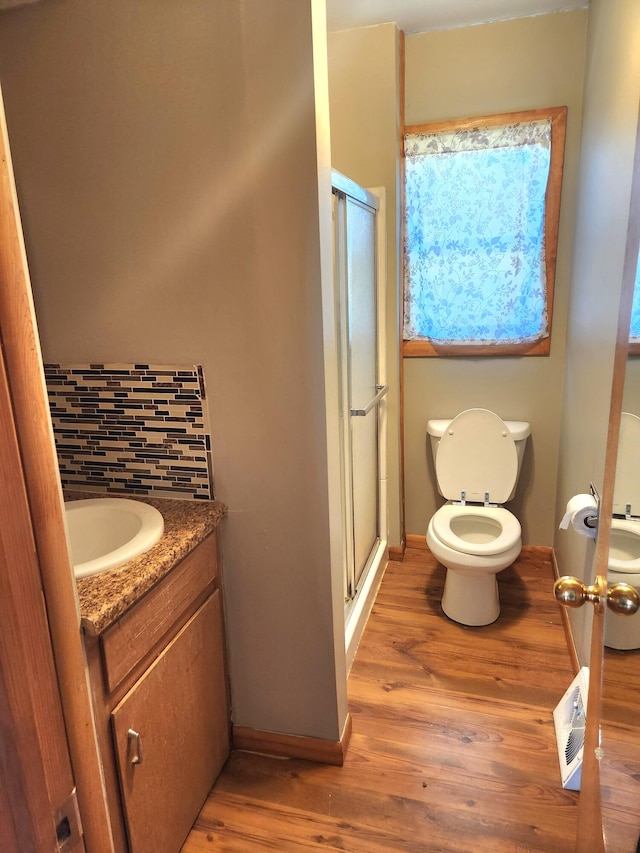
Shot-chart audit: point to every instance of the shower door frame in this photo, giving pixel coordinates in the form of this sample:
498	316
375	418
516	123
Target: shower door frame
360	590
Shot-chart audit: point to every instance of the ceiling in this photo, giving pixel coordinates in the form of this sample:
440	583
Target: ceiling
416	16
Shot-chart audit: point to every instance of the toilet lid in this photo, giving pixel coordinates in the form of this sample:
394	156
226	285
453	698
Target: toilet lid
477	455
626	489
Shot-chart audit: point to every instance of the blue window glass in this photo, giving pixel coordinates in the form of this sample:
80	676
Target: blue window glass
474	229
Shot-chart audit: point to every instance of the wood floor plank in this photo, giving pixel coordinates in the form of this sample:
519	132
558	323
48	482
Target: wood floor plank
621	686
453	747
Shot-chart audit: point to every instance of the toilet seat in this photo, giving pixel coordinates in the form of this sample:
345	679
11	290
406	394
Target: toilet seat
629	530
614	576
489	530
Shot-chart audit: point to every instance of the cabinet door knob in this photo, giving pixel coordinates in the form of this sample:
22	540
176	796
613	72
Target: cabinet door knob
135	746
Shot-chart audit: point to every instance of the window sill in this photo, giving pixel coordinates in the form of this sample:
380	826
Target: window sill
425	349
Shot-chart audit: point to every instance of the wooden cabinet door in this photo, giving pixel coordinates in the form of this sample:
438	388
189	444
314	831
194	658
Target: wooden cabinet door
179	711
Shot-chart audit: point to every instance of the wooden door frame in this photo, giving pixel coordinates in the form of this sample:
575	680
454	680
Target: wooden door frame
32	445
35	761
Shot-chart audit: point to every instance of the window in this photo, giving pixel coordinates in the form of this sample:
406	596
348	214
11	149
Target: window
482	203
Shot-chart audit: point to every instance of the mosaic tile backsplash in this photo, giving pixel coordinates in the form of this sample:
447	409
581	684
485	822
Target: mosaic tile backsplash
132	428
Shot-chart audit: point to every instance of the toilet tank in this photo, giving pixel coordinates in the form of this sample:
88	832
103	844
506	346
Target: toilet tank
520	432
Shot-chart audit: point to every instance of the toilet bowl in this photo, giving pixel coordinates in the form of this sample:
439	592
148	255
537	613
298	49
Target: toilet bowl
477	460
622	631
624	547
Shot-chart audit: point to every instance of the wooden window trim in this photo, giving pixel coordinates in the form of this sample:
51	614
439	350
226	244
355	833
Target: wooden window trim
558	116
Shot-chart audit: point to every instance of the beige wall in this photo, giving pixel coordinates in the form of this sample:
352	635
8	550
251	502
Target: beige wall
493	68
364	96
166	162
612	93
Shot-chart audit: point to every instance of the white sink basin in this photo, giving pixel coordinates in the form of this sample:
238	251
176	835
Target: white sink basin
104	533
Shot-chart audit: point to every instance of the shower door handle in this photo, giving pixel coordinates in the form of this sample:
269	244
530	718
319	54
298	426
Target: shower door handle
620	597
361	413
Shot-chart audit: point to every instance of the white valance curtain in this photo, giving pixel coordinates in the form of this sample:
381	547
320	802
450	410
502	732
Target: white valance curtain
474	220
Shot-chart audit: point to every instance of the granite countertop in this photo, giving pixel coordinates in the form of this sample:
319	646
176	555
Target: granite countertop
104	598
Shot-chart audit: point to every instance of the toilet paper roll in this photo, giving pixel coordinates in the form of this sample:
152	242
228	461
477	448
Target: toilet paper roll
580	510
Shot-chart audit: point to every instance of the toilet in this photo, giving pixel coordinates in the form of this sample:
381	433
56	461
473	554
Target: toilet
478	458
623	632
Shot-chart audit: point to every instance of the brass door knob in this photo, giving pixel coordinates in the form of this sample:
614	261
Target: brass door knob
620	597
623	598
571	592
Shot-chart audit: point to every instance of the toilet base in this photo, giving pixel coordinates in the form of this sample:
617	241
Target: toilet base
471	599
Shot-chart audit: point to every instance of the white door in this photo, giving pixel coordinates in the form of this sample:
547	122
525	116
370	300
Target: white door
362	391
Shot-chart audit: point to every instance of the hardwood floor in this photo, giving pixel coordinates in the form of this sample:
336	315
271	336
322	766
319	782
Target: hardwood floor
620	768
453	747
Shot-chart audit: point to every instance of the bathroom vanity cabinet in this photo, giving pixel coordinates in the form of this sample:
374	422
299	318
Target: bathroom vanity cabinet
159	685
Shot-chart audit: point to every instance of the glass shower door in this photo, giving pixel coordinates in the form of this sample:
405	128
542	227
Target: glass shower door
355	262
